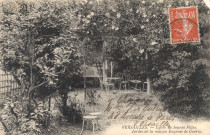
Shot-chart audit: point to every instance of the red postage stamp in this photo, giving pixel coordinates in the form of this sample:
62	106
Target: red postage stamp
184	25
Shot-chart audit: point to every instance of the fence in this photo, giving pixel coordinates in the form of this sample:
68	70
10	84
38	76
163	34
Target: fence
8	86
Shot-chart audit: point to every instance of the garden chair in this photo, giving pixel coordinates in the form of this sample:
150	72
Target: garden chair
144	86
117	81
91	96
125	82
106	85
92	119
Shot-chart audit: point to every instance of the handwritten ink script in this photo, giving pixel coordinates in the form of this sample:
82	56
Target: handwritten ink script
144	111
146	115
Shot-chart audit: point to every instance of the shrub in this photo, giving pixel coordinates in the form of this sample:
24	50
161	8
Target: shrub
19	117
72	111
185	79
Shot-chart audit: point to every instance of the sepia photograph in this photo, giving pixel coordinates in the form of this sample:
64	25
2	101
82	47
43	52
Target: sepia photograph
104	67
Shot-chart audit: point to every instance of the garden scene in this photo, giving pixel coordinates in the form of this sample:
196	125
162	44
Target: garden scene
84	67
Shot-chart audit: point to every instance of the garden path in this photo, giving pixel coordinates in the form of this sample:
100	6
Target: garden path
107	125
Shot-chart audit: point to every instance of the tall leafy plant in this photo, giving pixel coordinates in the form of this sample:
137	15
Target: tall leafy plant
40	49
183	73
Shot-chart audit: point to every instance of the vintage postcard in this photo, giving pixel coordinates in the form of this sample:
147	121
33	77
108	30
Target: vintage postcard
105	67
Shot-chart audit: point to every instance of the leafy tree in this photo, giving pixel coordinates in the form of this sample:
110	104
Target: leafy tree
137	38
183	72
122	27
40	49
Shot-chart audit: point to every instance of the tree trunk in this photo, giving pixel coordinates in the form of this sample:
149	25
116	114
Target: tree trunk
48	120
64	97
149	84
85	83
104	70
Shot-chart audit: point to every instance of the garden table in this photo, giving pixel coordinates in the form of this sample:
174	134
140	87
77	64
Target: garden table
136	82
114	80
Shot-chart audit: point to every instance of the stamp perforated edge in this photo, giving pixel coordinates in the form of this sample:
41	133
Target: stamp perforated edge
197	26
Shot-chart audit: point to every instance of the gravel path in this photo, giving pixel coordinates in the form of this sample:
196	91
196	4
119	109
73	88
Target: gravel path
107	124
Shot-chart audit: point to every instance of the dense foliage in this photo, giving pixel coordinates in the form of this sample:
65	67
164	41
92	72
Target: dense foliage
17	117
138	40
40	50
183	73
43	45
39	46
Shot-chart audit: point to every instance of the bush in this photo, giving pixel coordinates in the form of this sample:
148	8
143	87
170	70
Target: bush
19	117
72	110
191	101
185	79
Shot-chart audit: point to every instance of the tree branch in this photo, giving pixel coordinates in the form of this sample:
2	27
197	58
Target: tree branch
39	85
